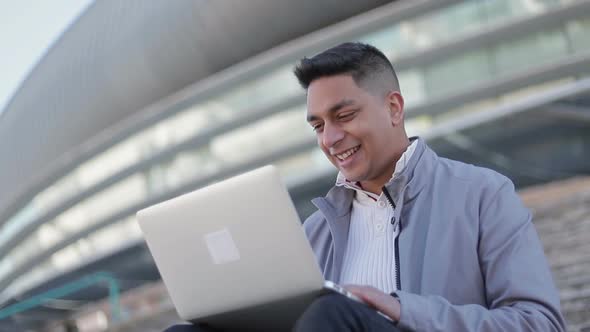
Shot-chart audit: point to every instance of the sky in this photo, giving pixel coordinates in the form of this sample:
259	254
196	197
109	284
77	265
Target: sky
27	29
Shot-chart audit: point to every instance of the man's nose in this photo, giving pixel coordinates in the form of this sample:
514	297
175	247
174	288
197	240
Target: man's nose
332	135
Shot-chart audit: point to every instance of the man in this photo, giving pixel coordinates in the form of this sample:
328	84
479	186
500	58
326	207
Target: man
429	244
434	244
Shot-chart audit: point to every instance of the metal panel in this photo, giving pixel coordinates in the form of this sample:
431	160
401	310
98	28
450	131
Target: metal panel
121	56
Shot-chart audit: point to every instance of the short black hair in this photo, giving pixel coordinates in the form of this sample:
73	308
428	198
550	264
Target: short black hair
368	66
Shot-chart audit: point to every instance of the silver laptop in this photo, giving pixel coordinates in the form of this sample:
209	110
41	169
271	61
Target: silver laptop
234	254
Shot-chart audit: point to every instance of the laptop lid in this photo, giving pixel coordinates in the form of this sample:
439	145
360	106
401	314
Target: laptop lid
232	245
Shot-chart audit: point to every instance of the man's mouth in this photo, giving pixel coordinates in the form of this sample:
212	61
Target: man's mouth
346	154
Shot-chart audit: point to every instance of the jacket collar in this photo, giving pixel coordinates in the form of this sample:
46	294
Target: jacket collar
337	204
418	172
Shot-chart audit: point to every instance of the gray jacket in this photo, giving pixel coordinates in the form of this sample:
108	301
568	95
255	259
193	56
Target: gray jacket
469	257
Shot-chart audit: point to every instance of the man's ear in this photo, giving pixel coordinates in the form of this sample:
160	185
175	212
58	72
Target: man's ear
395	101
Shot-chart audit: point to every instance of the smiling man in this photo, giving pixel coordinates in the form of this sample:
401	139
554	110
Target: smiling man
432	244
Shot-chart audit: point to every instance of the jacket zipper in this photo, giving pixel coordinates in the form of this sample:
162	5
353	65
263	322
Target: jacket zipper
395	224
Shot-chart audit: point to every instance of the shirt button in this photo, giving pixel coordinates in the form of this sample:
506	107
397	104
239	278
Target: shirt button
381	204
379	227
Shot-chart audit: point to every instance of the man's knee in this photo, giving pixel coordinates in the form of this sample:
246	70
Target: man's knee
332	312
331	305
328	312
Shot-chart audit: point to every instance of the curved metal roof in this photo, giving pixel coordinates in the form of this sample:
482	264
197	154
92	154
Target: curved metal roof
121	56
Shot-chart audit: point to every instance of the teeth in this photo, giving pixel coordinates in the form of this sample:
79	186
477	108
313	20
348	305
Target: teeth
347	153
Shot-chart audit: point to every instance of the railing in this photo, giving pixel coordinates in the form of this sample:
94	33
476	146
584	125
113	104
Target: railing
70	288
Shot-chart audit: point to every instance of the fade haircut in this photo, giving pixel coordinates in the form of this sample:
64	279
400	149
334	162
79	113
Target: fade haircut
370	69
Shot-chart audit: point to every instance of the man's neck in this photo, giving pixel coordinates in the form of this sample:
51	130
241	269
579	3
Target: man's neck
375	186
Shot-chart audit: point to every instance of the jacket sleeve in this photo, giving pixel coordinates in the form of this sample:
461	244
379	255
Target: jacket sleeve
520	292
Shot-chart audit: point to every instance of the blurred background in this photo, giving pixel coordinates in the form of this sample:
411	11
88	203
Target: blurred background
128	103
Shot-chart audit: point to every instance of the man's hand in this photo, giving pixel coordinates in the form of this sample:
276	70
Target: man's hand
377	299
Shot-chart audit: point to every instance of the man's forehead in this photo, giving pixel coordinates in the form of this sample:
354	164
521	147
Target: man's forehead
327	94
328	108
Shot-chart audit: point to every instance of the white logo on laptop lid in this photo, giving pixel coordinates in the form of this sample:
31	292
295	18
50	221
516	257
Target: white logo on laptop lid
222	247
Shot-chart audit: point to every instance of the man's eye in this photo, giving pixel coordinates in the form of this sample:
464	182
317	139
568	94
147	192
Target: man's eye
317	127
345	116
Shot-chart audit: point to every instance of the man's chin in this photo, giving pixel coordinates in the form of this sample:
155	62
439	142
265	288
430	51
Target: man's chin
352	177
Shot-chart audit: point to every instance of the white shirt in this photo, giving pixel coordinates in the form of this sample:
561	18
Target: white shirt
369	258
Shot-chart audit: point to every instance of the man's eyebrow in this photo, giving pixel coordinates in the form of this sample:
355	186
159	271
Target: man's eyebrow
333	108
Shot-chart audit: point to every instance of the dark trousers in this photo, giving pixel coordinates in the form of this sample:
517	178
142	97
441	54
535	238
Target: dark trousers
332	312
